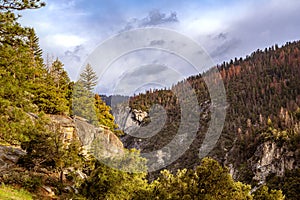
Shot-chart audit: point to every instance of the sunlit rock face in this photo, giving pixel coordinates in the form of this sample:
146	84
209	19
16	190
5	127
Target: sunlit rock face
91	135
88	134
128	120
270	158
139	115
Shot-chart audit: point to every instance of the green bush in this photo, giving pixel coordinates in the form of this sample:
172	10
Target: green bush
9	193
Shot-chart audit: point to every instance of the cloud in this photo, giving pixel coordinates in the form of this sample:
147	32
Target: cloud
223	49
238	29
74	58
141	69
65	40
144	77
71	29
154	18
63	5
261	26
75	54
221	36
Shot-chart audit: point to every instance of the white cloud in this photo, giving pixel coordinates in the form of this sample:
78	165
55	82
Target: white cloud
243	26
203	26
65	40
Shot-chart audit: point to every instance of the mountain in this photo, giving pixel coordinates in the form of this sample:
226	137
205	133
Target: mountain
112	100
260	140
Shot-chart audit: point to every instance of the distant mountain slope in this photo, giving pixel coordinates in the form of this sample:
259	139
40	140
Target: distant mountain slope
113	99
263	95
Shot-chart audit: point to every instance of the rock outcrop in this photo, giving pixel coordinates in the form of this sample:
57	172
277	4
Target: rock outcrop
127	120
139	115
87	133
70	128
9	157
269	158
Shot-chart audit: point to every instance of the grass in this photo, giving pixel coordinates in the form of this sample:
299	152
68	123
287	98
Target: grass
8	193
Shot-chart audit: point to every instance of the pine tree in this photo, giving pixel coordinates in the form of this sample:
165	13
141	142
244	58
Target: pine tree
26	87
51	92
59	75
83	103
33	43
88	78
47	149
19	70
104	117
20	4
264	193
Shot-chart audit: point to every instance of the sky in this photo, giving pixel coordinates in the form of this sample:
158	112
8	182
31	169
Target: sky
72	30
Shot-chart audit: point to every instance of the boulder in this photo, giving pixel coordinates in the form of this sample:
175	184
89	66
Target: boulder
9	156
87	133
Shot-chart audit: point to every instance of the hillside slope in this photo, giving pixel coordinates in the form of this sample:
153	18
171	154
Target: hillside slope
261	134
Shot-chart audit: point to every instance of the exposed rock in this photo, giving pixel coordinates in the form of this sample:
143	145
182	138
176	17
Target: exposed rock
269	158
87	133
9	157
48	190
80	174
66	125
77	172
125	119
127	122
139	115
71	128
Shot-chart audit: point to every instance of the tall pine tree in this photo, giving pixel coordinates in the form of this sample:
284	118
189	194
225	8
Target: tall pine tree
88	77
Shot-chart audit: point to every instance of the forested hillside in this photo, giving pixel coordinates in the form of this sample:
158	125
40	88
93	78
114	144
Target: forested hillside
263	96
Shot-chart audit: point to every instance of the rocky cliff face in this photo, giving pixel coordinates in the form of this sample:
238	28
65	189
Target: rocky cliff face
127	119
270	158
71	128
87	134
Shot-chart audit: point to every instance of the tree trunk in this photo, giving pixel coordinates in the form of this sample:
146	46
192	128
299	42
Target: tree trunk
61	176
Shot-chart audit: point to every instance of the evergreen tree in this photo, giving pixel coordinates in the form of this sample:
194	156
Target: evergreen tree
51	93
33	43
16	73
106	182
59	75
264	193
20	4
83	100
26	87
88	78
83	103
47	149
104	116
208	181
11	33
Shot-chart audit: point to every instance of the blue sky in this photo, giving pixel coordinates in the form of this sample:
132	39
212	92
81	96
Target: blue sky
72	29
